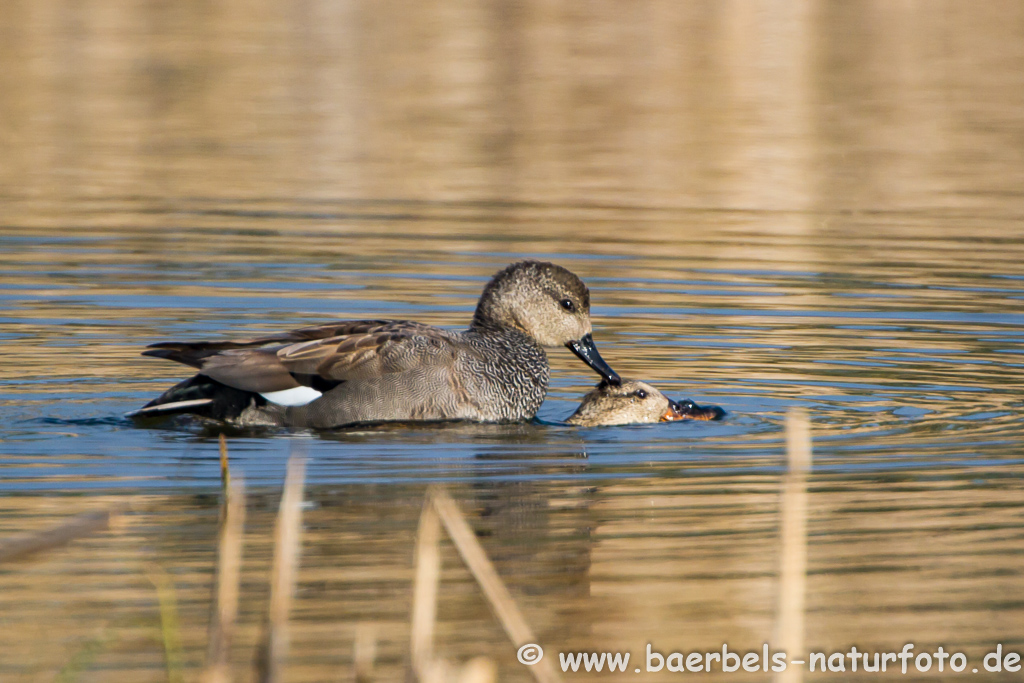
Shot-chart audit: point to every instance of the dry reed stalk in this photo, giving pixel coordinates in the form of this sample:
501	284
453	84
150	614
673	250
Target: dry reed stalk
479	670
225	470
437	670
365	653
424	591
287	533
79	526
225	604
789	626
486	576
170	629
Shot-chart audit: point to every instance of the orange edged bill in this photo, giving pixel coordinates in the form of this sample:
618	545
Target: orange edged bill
688	410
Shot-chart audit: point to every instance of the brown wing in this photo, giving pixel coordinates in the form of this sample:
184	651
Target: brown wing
194	353
256	370
333	352
375	351
345	328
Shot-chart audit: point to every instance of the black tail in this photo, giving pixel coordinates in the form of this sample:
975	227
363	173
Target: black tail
202	396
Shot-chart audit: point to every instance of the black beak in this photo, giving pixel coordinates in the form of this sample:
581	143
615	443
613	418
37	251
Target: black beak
587	352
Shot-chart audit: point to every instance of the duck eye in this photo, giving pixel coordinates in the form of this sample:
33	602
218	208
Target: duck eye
567	304
640	393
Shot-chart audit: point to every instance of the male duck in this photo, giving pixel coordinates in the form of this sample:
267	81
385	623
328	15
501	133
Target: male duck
386	370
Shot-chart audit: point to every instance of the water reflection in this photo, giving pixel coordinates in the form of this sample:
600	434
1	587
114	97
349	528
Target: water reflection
767	105
681	562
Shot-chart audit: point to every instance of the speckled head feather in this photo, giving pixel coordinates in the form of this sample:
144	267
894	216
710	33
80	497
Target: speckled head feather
547	302
636	402
632	402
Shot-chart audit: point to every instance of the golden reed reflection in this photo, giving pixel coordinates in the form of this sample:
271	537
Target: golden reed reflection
771	104
685	564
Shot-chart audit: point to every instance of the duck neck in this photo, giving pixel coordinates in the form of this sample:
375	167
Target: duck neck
494	329
514	362
483	320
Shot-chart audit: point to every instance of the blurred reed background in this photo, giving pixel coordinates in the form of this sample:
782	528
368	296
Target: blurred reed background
759	104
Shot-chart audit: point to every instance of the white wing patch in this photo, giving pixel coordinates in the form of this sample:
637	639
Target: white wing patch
299	396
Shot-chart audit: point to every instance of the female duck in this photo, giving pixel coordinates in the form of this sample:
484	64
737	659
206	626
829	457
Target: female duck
635	402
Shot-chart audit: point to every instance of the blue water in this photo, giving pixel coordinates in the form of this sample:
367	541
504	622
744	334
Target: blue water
897	369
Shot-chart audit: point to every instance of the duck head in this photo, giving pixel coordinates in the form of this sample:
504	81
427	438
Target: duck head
630	402
635	402
548	303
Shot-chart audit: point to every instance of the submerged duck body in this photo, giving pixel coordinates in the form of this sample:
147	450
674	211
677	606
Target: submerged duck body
382	370
636	402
